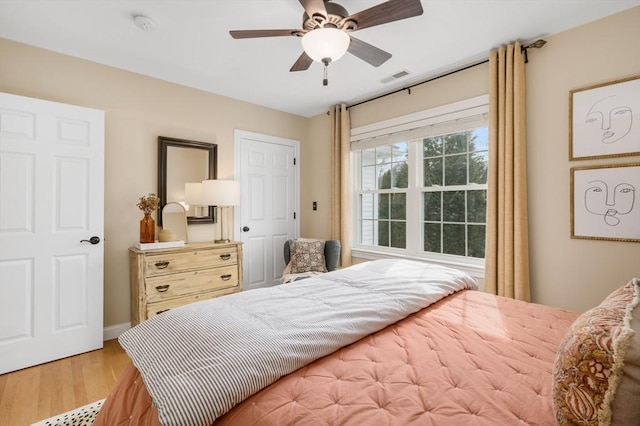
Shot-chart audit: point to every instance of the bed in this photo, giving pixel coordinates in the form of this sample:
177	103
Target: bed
388	342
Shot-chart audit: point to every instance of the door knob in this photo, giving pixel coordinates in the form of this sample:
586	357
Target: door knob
92	240
245	229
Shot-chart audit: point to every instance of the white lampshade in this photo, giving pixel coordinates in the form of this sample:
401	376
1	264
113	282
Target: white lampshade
323	43
218	192
193	193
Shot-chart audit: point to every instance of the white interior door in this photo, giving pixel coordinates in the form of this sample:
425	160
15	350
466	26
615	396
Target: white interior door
267	214
51	198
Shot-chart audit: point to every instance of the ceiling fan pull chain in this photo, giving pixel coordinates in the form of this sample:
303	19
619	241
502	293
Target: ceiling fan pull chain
325	80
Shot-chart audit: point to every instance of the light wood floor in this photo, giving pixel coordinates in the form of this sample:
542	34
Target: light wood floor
36	393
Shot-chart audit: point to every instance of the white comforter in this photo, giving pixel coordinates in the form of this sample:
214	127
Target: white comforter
199	360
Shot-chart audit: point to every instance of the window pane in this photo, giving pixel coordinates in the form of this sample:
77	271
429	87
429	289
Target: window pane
400	151
453	239
383	154
432	172
368	177
384	176
383	206
383	233
398	206
455	143
367	233
432	147
453	206
400	175
366	206
432	206
432	237
455	170
368	156
398	235
476	206
476	240
478	167
479	139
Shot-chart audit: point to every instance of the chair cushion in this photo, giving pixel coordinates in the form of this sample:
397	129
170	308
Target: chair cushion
596	378
307	256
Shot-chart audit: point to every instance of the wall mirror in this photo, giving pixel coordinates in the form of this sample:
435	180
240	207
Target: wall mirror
181	161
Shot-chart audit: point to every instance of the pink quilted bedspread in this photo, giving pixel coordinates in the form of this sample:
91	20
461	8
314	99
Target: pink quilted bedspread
470	359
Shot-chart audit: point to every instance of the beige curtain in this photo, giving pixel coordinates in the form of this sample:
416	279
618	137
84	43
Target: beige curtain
340	196
507	250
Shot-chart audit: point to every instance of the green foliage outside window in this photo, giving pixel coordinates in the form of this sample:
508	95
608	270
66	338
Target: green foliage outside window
392	208
454	219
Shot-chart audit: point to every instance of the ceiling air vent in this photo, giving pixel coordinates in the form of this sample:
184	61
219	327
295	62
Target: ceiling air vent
394	76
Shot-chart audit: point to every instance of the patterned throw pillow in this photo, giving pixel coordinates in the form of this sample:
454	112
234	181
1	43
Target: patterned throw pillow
591	359
307	256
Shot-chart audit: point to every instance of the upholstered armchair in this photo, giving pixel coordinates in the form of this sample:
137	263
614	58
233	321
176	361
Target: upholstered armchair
308	257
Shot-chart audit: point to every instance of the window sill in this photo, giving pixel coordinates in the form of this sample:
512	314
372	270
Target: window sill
475	268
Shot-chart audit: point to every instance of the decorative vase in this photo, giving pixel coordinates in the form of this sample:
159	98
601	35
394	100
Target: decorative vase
147	229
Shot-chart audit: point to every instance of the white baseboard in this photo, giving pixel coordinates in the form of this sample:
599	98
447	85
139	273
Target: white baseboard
113	331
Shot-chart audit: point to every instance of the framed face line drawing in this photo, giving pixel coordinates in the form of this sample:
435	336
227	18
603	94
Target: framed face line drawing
604	202
604	120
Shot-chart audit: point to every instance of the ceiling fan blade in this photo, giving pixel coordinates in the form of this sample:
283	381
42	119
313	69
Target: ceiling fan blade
264	33
303	63
389	11
314	7
368	53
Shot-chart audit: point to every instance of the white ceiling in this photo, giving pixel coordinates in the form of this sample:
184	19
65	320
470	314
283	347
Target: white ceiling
191	44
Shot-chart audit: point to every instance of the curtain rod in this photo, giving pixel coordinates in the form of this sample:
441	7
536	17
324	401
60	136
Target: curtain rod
535	45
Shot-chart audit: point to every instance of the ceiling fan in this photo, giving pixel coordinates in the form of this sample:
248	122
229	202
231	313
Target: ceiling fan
327	27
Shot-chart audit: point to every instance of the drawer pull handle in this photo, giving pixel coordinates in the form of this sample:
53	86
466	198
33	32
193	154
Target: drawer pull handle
225	277
159	312
162	265
225	256
162	288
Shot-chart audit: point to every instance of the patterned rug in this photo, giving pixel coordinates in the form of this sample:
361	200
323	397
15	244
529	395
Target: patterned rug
83	416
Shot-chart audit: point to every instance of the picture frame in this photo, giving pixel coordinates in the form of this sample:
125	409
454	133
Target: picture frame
605	202
604	120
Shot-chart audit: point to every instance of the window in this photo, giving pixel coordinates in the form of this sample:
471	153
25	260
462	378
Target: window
422	192
454	193
383	199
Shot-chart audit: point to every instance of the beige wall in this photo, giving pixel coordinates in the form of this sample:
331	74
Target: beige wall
565	272
138	110
574	274
315	160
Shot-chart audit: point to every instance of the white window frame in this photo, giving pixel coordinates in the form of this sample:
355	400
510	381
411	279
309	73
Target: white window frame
435	121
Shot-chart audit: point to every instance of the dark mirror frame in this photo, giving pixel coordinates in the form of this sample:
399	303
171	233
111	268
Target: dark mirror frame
212	152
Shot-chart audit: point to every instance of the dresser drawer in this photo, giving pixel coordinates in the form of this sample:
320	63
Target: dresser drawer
168	263
157	308
181	283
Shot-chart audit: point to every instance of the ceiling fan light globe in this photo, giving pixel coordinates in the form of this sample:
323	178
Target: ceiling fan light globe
323	43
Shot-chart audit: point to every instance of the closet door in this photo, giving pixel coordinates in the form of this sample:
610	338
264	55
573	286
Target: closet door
268	174
51	230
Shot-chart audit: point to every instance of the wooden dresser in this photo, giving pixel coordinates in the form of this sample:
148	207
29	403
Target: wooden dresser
168	278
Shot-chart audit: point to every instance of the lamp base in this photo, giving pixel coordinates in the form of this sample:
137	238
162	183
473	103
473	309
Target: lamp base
226	240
